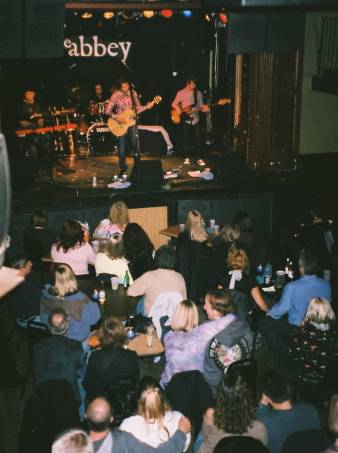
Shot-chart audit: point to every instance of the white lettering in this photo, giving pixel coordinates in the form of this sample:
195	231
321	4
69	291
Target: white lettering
84	46
125	46
110	47
79	47
97	46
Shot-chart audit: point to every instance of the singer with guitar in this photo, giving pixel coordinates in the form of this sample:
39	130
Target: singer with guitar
190	96
123	101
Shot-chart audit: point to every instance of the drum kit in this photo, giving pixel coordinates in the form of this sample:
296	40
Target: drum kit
76	134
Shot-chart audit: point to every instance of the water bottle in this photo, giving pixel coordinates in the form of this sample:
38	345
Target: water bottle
267	273
259	276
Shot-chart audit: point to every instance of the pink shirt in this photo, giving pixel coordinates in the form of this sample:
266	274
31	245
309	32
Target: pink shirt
120	102
77	258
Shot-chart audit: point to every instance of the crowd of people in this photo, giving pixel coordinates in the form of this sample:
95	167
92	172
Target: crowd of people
241	372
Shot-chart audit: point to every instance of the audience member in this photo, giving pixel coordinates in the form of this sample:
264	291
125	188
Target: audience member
185	344
24	300
318	238
238	279
112	363
38	239
333	424
226	240
280	416
246	238
65	294
99	418
163	279
71	248
116	223
280	323
240	444
194	256
154	422
313	344
233	414
235	341
73	441
139	250
57	357
112	261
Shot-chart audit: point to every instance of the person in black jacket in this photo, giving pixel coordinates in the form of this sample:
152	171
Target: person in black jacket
139	250
111	364
38	239
58	357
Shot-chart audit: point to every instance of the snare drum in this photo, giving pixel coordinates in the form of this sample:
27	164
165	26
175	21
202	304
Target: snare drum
100	139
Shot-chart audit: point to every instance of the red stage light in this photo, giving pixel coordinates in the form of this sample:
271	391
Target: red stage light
167	13
223	18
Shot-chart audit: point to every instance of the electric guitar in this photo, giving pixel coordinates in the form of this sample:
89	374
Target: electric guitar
122	122
177	116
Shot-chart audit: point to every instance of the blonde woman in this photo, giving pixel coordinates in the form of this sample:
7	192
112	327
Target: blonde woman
185	344
314	342
155	422
223	243
112	261
65	294
237	278
193	256
116	223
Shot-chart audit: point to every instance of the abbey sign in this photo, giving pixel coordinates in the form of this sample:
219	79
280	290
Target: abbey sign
93	47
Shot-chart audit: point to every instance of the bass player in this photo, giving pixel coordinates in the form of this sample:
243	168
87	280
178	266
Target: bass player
124	99
190	96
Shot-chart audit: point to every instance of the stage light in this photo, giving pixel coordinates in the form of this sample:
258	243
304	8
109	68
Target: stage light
167	13
87	15
148	14
108	15
187	13
223	18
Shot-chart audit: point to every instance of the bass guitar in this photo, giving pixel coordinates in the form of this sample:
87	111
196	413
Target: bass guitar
120	124
178	115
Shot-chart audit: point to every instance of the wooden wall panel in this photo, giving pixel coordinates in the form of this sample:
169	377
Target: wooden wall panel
152	221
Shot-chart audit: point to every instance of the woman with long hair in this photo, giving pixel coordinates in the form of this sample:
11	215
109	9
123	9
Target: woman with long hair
225	241
233	414
112	363
112	260
117	221
139	250
155	421
81	311
313	345
194	261
71	248
238	279
38	239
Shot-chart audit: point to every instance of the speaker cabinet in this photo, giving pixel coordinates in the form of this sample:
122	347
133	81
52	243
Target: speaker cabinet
147	173
44	31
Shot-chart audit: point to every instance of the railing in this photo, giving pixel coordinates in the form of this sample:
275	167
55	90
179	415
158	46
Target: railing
328	51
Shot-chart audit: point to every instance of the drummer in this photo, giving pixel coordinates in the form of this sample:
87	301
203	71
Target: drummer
99	94
36	142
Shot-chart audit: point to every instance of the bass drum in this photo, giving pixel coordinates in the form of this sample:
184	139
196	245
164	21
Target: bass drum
100	140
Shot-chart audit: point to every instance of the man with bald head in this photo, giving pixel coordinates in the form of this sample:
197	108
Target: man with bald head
99	417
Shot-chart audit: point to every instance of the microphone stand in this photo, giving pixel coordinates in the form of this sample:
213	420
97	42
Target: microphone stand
136	132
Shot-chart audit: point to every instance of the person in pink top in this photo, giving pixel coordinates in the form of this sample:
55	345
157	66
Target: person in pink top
71	248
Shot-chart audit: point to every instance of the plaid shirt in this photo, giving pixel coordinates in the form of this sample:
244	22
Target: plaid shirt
120	102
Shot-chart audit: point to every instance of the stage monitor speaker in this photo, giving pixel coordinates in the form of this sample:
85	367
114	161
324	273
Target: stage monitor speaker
44	30
147	173
246	33
11	26
5	198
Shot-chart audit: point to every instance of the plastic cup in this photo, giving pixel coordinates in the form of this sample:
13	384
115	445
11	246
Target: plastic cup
280	277
212	223
149	340
216	229
114	283
182	227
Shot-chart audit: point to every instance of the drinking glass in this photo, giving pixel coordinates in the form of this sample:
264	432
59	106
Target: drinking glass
114	283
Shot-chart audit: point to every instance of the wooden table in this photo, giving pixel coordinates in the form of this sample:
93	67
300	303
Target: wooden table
118	303
172	231
139	345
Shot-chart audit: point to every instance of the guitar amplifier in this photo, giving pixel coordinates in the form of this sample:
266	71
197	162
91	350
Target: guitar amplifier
147	174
